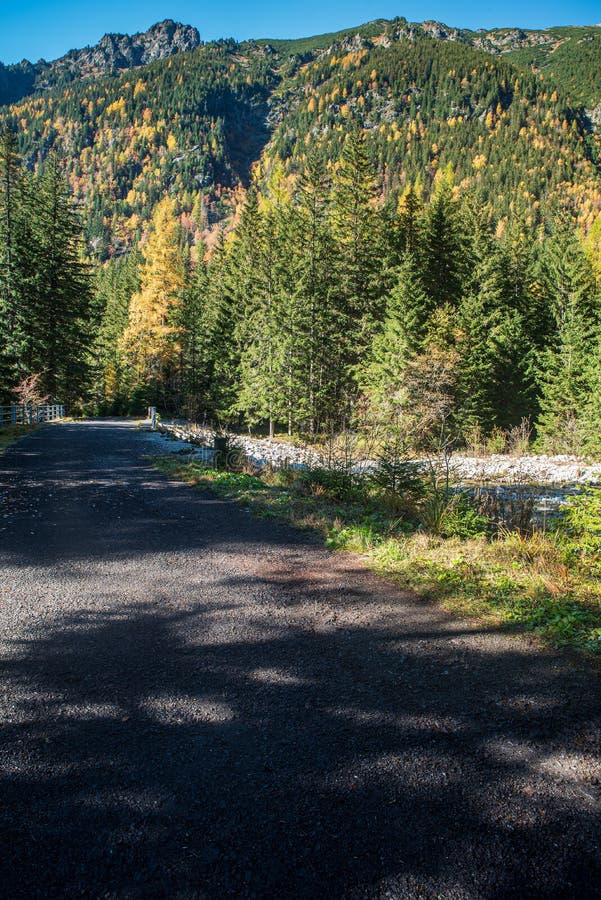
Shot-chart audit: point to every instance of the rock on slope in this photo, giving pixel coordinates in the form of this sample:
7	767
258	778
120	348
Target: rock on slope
123	51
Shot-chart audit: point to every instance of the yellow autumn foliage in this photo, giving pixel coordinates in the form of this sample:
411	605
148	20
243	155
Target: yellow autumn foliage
151	340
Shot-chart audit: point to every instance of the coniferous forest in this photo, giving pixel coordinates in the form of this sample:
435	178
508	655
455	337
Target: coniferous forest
377	226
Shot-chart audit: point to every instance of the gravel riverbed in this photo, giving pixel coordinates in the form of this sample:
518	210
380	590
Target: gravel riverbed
498	468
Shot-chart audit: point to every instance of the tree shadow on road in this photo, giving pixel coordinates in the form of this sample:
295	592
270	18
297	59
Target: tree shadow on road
146	757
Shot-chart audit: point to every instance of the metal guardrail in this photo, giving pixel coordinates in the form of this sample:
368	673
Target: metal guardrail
31	414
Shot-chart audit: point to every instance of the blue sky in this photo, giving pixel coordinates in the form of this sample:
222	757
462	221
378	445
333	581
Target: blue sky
48	28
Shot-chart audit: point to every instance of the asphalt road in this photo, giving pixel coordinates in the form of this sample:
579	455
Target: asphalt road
198	703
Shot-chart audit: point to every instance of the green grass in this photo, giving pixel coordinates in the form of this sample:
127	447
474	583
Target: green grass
547	584
11	433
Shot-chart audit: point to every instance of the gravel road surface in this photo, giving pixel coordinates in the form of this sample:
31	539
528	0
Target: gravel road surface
196	703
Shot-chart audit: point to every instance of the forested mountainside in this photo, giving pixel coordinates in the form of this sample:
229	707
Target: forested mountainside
113	53
395	224
426	104
568	56
193	126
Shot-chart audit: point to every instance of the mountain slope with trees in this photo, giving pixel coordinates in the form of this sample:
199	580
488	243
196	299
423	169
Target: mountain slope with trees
112	54
195	125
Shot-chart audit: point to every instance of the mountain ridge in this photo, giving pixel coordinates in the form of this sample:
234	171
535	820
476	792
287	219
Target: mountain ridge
203	122
113	53
116	52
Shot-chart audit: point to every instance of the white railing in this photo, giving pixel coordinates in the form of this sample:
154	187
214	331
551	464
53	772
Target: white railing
31	414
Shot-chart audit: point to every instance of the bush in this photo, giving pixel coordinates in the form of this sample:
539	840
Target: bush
519	438
463	519
398	480
396	474
432	510
496	441
452	514
331	484
356	538
580	523
282	478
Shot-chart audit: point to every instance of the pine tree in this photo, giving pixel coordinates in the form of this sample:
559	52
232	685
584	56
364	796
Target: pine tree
313	291
484	340
220	317
515	396
264	328
476	318
592	246
194	363
410	220
445	245
590	415
15	266
360	250
564	379
116	283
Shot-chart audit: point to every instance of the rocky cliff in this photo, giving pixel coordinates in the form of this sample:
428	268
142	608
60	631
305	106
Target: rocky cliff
115	52
112	54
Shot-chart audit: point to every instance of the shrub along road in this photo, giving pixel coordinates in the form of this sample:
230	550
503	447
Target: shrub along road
199	703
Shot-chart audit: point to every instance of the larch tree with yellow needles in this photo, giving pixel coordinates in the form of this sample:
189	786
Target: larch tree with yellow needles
152	339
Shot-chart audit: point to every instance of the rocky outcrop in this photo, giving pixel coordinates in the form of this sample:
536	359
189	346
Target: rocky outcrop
595	117
440	32
501	41
115	52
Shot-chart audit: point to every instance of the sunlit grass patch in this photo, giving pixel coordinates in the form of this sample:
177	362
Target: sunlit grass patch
514	579
546	583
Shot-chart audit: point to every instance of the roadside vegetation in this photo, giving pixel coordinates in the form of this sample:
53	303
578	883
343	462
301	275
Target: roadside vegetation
478	555
11	433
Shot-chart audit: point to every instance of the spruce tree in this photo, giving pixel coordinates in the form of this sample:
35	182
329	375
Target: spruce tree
592	246
569	285
62	321
15	266
314	290
116	282
194	363
479	314
400	338
410	220
215	311
264	329
445	245
360	250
